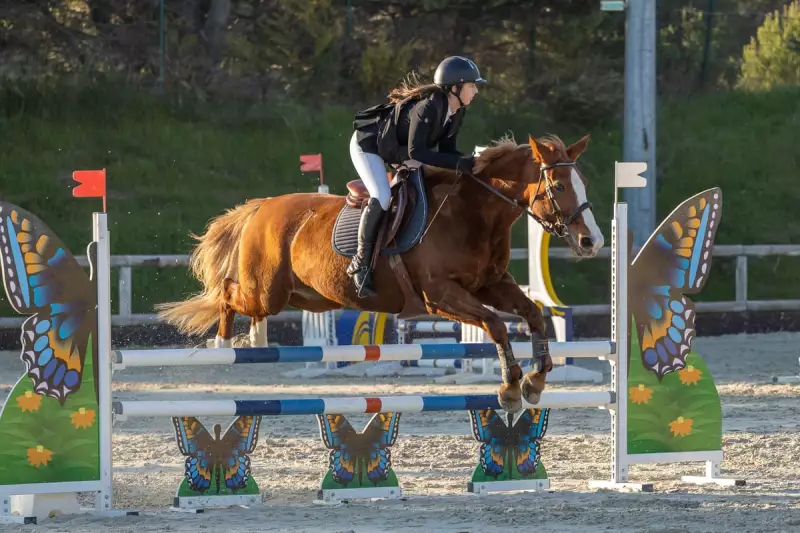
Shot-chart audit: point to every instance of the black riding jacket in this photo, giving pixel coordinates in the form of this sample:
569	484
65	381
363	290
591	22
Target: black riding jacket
420	132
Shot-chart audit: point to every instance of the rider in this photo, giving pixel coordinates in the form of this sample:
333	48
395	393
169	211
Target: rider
431	121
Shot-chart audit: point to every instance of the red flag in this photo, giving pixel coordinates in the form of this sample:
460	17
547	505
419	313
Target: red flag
311	163
92	184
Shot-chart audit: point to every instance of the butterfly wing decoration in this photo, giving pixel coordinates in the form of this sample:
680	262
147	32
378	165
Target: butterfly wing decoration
233	451
352	451
43	279
489	428
529	430
503	444
337	434
675	261
380	434
195	442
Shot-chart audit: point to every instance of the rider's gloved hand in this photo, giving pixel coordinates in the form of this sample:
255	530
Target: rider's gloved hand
466	163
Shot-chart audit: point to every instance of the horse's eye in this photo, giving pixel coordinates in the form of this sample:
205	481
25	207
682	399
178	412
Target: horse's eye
559	186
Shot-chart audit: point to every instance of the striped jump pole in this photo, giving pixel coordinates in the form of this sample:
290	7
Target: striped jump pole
604	350
352	405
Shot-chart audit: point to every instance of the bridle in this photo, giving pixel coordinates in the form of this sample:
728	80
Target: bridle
559	226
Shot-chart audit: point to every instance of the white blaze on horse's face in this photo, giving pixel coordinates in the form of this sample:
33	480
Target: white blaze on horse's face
588	218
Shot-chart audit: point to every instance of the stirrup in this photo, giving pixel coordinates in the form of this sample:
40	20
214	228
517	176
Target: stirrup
367	288
356	264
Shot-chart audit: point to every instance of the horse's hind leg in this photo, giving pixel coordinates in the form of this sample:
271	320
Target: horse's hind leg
248	299
224	337
450	300
258	332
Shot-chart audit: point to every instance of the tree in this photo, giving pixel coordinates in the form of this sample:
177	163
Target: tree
772	58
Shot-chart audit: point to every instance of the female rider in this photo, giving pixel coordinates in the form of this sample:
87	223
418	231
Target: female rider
426	117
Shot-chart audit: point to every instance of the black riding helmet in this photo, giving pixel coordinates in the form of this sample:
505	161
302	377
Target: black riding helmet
457	70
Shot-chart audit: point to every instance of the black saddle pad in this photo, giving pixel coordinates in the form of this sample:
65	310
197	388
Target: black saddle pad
345	230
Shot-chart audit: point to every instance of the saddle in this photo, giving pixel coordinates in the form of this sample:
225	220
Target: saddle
401	229
402	226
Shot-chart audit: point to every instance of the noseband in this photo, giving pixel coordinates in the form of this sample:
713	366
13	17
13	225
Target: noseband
559	226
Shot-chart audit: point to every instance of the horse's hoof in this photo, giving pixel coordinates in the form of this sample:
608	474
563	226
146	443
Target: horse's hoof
509	399
531	390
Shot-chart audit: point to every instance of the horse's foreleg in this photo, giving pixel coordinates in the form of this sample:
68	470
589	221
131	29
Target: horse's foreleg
450	300
508	297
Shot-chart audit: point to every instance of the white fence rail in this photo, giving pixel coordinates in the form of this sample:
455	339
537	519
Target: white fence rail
125	264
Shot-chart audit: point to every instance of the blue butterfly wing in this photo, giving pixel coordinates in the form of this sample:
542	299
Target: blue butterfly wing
489	428
195	442
43	279
338	434
379	434
675	261
529	428
233	450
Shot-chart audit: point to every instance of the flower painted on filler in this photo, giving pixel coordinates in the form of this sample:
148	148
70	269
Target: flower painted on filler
640	394
681	426
39	456
689	375
29	401
82	418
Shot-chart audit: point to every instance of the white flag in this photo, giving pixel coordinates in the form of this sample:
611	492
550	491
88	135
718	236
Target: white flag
629	174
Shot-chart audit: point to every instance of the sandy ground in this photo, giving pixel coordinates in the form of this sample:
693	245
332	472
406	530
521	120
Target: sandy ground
435	455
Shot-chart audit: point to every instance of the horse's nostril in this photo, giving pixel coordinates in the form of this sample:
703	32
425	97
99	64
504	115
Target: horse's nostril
586	242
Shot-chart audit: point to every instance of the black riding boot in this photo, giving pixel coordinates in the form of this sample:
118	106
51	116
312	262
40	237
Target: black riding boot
359	269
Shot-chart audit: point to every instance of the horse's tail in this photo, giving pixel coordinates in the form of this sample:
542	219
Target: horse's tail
215	258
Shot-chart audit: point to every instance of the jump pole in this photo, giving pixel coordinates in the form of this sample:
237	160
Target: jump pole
792	380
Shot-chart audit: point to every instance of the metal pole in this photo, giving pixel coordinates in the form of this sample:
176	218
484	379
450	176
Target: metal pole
161	52
104	498
640	113
707	47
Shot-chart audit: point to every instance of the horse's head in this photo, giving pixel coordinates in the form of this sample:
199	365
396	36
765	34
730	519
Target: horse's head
556	194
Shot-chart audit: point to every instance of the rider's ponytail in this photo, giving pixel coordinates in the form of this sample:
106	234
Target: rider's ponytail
412	88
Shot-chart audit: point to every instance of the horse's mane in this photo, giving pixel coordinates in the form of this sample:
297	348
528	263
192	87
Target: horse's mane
495	151
506	144
500	148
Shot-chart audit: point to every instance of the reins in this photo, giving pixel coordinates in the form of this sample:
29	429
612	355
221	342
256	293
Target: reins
558	228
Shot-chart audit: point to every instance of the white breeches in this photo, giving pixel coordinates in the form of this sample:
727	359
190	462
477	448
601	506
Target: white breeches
372	171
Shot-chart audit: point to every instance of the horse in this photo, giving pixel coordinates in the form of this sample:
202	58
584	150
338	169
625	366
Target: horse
269	253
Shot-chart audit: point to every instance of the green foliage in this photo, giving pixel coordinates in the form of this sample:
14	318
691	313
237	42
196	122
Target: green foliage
680	413
250	488
300	45
360	480
772	58
45	442
566	56
682	49
509	472
383	64
174	163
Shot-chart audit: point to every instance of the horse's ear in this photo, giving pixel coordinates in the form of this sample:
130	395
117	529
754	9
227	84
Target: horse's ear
541	153
576	149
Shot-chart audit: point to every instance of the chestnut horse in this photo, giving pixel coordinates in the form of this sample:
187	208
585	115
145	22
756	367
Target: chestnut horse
269	253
